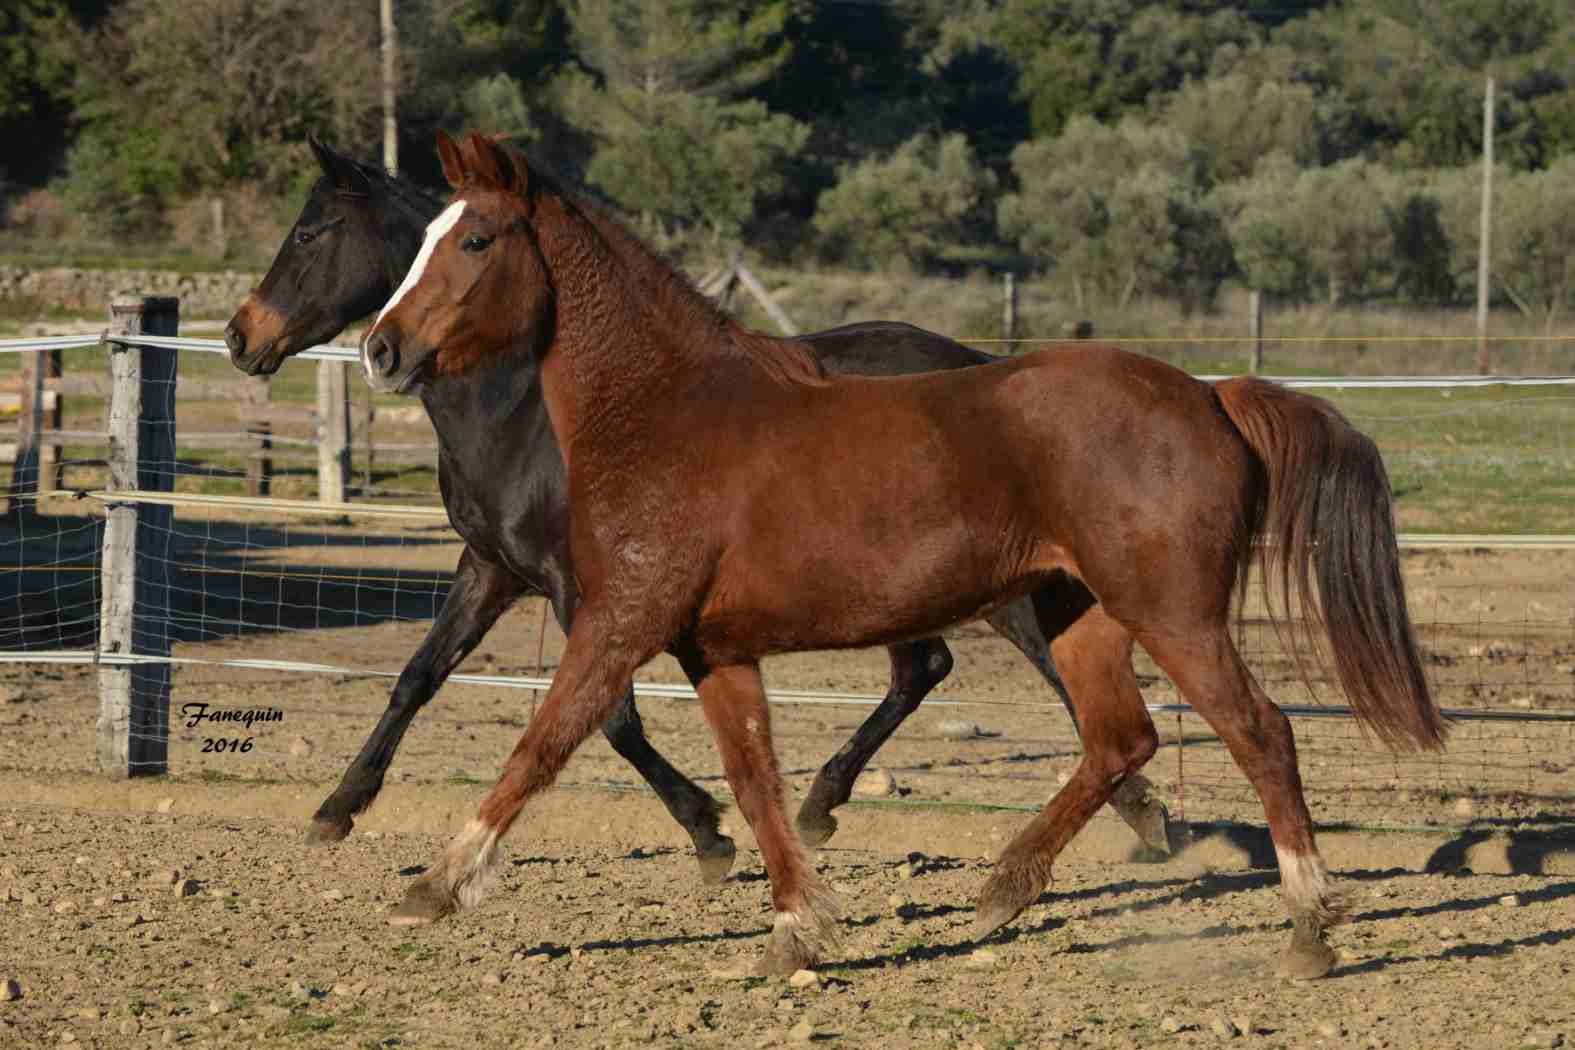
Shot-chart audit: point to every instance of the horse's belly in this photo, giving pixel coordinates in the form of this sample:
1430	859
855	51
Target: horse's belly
854	591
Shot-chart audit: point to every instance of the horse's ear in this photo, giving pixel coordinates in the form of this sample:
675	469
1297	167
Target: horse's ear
497	165
453	160
347	176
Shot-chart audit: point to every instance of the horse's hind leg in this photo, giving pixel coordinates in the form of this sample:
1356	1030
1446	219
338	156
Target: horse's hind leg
1211	676
735	705
480	593
1135	800
1094	655
690	805
916	668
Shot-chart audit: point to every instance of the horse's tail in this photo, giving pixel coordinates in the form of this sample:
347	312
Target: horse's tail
1327	509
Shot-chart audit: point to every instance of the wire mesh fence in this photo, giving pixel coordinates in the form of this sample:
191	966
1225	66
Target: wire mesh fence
263	587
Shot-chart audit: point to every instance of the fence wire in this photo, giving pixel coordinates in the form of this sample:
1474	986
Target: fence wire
242	579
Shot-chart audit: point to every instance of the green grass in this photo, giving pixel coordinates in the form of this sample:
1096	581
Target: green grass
303	1024
1480	459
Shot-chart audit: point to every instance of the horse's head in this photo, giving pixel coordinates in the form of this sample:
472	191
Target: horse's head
479	285
330	272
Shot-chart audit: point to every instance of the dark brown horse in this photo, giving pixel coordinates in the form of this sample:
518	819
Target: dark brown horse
350	247
728	500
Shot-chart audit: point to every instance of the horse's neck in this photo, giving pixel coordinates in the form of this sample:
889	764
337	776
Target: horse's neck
489	418
625	331
402	227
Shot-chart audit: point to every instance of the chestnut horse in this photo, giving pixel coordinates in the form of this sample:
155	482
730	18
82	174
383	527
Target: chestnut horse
350	247
728	500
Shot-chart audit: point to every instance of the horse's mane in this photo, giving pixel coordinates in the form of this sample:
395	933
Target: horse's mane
784	360
401	190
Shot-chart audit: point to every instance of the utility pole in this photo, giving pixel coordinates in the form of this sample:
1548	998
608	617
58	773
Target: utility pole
1484	251
390	123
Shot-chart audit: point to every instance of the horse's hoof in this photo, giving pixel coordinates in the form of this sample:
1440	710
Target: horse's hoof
785	955
815	827
424	903
324	831
1003	898
1136	802
1307	960
716	861
1152	824
990	916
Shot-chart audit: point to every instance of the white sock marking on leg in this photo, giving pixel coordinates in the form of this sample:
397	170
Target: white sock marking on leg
472	858
1306	884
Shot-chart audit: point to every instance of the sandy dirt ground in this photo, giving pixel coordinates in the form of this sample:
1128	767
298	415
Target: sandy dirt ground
186	910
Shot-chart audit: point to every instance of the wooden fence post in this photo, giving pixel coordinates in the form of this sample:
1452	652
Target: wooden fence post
764	298
259	465
1255	311
333	432
1009	313
133	719
1485	234
371	443
729	282
25	470
51	469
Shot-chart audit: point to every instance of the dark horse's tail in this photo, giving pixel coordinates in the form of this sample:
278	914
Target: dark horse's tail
1328	510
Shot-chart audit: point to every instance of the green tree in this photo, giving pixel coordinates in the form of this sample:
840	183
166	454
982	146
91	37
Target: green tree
497	105
673	140
1107	57
1299	231
1115	211
483	64
1533	227
1532	257
1423	254
1411	73
182	96
36	70
1262	227
911	205
1235	122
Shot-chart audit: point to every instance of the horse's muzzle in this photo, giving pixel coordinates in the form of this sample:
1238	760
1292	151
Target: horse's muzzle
253	360
388	368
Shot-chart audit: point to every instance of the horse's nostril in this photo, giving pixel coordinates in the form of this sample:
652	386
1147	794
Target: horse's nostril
385	355
234	339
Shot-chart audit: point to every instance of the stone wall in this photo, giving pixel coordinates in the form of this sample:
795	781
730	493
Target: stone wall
211	295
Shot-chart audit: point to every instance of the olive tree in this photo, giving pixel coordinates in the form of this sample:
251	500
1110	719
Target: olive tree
910	205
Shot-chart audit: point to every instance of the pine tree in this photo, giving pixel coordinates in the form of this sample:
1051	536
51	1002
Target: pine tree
674	140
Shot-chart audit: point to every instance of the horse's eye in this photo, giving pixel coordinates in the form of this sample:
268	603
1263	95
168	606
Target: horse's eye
304	236
475	243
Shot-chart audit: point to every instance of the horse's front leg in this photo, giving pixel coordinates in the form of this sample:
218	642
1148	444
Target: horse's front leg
689	804
480	593
916	668
598	666
806	912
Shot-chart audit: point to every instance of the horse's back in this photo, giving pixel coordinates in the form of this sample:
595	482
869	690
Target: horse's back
889	348
944	483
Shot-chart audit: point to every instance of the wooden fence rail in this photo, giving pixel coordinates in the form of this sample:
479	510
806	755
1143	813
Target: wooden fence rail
336	435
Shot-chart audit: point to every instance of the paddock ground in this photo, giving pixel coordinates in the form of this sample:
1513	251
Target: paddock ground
600	934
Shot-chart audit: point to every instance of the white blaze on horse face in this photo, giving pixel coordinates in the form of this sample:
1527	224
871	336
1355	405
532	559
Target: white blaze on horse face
436	230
